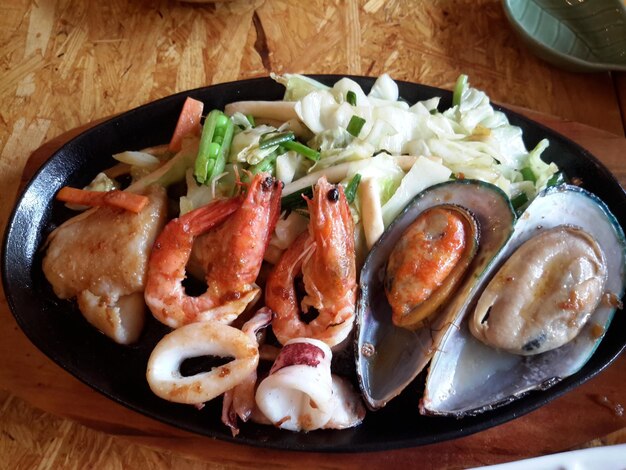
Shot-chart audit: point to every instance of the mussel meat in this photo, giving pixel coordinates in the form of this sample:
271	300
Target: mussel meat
428	263
543	294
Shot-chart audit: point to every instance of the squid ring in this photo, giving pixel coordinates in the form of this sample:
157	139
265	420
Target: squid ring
200	339
298	393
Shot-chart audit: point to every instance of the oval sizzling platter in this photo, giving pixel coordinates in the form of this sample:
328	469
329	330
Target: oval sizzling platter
58	329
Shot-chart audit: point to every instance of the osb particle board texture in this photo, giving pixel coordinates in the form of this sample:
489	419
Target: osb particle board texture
66	63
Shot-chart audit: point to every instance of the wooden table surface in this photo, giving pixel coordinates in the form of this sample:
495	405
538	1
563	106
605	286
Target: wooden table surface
67	63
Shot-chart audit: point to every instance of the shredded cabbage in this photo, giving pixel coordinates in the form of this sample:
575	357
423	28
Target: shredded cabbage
101	183
471	139
424	173
542	171
468	140
245	145
297	86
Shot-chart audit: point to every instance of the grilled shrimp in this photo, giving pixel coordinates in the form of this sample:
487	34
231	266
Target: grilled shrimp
231	255
325	256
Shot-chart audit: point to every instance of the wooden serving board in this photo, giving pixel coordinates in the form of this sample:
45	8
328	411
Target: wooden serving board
589	412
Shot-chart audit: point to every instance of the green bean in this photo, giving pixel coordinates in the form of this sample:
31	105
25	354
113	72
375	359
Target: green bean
217	135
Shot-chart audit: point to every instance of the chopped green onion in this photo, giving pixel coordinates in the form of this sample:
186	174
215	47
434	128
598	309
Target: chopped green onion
351	98
556	179
302	149
266	165
275	139
250	118
295	200
459	88
528	174
217	134
355	125
353	185
519	200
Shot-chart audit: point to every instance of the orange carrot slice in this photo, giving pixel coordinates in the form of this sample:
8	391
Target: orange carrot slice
188	123
122	199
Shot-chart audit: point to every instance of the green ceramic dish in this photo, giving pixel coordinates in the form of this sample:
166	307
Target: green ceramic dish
577	35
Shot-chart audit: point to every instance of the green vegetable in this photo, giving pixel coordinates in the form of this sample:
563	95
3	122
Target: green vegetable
250	119
267	164
459	88
352	187
275	139
351	98
168	174
295	200
542	170
528	175
297	86
217	135
519	200
355	125
556	179
302	149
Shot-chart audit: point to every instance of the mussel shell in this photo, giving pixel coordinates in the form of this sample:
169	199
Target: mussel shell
388	357
466	377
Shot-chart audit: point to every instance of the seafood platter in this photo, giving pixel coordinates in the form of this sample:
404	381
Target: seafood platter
322	263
